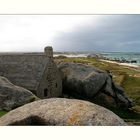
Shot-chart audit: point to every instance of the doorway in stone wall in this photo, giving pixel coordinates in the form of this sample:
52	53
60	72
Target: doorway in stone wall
45	92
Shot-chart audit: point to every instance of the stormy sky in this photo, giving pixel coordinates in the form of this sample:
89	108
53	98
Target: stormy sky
111	33
108	33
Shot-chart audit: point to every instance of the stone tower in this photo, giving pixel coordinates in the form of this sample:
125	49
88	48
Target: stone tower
49	52
51	76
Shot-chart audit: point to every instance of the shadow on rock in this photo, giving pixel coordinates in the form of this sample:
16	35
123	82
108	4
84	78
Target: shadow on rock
89	83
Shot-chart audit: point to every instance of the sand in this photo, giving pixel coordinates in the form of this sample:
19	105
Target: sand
123	64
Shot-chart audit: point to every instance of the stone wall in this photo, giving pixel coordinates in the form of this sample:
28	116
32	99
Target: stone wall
22	69
34	71
52	77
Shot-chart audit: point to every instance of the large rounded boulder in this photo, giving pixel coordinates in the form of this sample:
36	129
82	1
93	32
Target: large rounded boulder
12	96
89	83
61	111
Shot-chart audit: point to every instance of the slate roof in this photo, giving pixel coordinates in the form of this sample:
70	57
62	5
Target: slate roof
23	69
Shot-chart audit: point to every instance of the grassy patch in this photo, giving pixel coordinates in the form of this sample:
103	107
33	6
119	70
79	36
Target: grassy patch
132	88
2	112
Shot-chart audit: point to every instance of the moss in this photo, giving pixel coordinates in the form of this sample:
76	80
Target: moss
33	98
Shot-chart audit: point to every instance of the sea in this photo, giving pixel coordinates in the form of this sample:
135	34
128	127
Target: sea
129	56
134	56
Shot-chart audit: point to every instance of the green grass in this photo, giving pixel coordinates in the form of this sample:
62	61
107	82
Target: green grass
2	112
132	88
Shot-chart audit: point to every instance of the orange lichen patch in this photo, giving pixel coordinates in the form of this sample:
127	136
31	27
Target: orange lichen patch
81	105
73	120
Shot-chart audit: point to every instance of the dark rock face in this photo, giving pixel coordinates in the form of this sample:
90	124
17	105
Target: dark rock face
61	111
89	83
12	96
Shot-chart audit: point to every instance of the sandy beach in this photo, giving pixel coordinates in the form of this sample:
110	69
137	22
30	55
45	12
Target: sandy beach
122	64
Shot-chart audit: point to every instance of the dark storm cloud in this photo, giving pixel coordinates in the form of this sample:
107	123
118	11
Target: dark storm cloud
112	33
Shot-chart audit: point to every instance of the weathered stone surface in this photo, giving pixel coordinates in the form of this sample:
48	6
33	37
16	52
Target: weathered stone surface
12	96
61	111
89	83
36	72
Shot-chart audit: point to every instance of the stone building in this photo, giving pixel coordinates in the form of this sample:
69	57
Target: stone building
36	72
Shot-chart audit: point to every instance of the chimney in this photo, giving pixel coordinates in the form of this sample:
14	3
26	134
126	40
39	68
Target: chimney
48	52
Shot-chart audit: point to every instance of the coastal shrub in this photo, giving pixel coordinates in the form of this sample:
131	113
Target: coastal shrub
60	57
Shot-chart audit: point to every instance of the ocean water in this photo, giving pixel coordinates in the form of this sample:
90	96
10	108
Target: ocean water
111	55
120	55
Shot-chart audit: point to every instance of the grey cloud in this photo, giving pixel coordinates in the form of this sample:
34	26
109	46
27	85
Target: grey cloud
113	33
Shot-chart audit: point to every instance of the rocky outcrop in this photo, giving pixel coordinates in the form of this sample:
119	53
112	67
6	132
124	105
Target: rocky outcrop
12	96
61	111
89	83
93	55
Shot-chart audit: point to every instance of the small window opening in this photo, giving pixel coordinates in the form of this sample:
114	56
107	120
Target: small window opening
45	92
56	85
